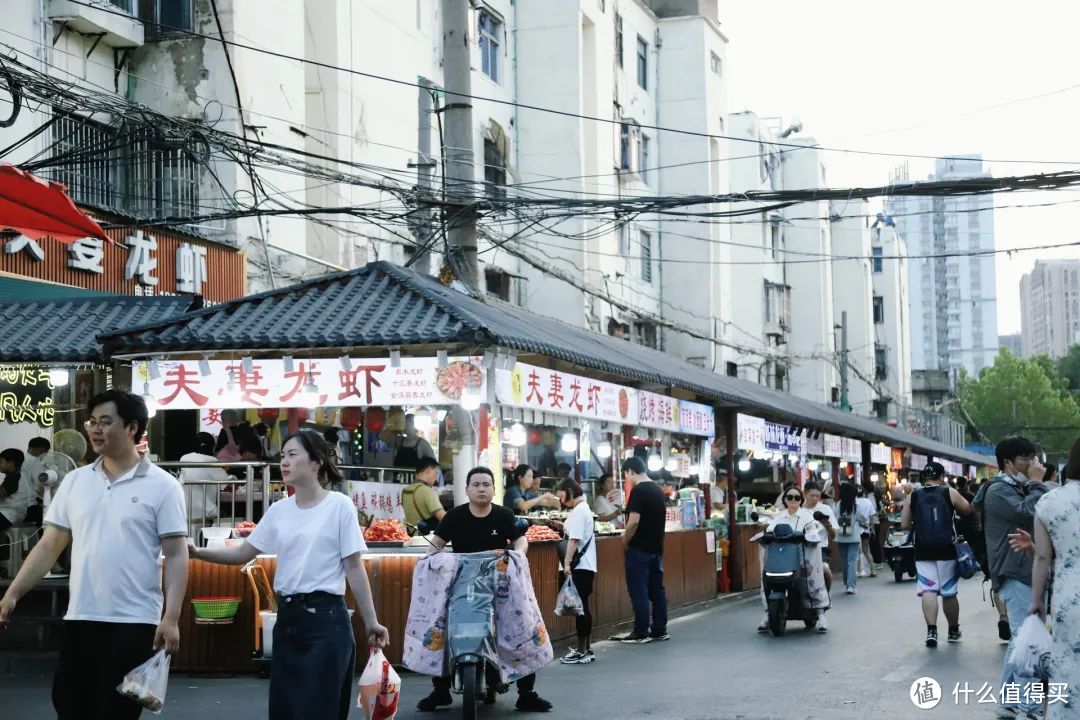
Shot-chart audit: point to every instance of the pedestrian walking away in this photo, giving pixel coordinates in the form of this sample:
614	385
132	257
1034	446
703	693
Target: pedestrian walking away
311	675
579	564
1007	504
120	515
851	519
868	511
477	526
1057	541
643	548
930	511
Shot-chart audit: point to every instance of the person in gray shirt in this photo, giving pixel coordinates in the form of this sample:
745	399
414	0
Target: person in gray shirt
1007	504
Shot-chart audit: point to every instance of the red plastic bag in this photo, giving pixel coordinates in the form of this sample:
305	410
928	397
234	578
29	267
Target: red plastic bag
380	688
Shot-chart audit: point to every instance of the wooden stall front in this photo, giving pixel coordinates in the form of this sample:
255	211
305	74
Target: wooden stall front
689	577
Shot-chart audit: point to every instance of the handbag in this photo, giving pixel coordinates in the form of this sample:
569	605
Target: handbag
578	554
966	562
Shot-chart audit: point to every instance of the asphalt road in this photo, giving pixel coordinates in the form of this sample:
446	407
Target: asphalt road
715	667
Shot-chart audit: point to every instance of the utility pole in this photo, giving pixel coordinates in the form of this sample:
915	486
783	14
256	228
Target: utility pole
458	127
845	404
420	222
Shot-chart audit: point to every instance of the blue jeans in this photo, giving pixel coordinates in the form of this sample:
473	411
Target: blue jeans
1017	598
645	583
311	673
849	558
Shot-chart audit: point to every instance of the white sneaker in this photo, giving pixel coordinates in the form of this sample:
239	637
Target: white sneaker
764	626
822	624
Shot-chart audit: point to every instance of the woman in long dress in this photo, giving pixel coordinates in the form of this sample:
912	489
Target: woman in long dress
1057	538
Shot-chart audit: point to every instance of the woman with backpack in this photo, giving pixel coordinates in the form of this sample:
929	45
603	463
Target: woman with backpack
579	563
867	506
850	519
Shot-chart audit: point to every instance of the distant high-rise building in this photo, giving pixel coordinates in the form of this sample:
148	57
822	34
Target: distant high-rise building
1050	308
953	297
1011	343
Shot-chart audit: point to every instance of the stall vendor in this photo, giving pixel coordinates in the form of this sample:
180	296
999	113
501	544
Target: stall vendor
423	509
521	495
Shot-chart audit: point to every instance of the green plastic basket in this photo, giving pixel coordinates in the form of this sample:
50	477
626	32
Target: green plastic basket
215	608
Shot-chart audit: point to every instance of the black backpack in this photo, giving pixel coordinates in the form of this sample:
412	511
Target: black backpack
932	516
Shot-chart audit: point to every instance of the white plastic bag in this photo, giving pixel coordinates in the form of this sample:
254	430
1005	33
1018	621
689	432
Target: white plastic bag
146	684
569	600
1030	656
380	688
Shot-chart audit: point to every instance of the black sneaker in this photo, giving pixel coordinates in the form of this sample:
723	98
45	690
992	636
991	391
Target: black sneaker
531	702
660	636
636	640
954	635
433	701
489	696
931	637
1004	631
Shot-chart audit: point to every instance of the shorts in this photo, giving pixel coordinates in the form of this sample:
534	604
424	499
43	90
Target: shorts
937	576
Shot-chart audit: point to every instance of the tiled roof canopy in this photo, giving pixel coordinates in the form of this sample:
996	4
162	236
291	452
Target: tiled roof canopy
66	329
382	305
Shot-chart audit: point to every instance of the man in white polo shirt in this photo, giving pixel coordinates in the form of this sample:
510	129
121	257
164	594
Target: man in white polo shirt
119	514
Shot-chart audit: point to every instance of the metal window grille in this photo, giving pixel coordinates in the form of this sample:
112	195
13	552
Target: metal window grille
86	159
646	257
164	179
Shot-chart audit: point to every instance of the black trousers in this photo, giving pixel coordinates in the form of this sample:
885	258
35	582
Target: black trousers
525	685
583	581
94	658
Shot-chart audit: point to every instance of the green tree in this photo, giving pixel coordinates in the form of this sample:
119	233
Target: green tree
1069	368
1017	396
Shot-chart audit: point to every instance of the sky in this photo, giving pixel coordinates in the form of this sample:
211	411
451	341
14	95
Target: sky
921	78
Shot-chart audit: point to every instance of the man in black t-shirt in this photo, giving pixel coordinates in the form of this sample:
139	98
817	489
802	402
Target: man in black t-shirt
477	526
643	542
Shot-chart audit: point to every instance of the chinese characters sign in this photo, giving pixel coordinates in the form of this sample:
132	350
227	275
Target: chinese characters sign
779	438
880	454
26	395
267	384
696	419
751	431
378	501
834	445
851	450
658	411
536	388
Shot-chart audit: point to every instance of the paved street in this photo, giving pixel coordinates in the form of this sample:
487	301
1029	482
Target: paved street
714	667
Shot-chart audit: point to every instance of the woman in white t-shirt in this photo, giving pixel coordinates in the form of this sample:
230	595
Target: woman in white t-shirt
580	535
606	510
318	543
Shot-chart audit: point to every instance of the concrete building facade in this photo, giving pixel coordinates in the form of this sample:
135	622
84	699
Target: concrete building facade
953	293
1050	308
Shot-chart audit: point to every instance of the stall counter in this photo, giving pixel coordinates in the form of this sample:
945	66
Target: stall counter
689	576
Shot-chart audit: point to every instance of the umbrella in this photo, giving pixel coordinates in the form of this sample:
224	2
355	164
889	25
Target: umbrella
37	207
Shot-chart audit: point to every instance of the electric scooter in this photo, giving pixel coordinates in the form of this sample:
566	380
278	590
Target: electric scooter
783	577
471	626
899	550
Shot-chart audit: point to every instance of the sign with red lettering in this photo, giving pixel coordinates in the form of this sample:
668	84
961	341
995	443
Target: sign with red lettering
378	501
537	388
658	411
180	384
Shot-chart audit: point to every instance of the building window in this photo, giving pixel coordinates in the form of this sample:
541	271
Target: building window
630	141
646	256
490	32
498	283
781	378
645	334
881	363
732	369
163	17
774	238
618	40
643	159
88	160
877	259
879	310
494	171
624	240
642	63
163	179
715	64
881	409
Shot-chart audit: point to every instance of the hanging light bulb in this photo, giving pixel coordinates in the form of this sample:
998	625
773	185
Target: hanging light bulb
470	398
672	465
874	477
603	450
824	475
655	463
309	393
744	465
59	377
813	465
569	443
150	400
422	420
518	436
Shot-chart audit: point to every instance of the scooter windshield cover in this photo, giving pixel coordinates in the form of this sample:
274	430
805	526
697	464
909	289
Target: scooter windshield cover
472	610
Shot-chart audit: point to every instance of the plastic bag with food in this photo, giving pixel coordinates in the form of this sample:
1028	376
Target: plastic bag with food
380	687
569	600
1030	656
146	684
